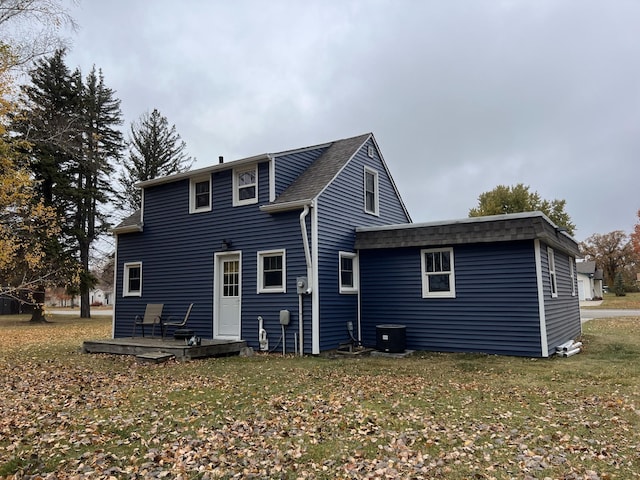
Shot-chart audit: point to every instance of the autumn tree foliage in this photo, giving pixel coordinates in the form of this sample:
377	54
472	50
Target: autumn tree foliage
612	252
516	199
155	150
72	126
635	236
28	227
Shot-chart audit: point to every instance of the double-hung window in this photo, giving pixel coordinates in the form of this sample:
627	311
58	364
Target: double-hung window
132	281
370	191
438	276
200	194
552	272
245	185
348	272
272	271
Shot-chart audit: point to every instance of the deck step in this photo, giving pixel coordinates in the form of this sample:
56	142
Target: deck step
155	357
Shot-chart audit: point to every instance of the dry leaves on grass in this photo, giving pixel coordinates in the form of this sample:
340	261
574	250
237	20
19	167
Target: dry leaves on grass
95	416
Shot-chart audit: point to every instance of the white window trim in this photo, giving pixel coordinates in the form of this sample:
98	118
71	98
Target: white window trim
376	207
356	274
125	280
553	278
236	187
452	276
572	273
192	194
272	253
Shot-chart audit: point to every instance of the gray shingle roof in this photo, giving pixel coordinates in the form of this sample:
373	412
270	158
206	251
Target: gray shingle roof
496	228
314	179
132	223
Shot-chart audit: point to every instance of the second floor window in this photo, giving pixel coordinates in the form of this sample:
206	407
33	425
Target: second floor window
370	191
200	195
245	186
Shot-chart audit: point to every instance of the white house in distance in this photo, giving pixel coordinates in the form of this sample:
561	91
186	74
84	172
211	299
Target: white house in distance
589	280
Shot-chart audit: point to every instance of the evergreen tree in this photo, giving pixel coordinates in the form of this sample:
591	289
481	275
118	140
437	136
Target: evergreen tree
48	123
72	126
101	148
155	150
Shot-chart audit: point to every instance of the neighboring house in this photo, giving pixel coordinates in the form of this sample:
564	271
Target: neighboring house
590	280
308	231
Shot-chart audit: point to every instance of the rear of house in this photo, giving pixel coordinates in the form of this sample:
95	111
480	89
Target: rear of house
318	238
257	237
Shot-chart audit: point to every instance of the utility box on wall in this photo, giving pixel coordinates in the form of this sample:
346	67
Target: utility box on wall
391	338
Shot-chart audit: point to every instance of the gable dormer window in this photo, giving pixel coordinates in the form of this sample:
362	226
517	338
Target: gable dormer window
200	194
245	185
370	191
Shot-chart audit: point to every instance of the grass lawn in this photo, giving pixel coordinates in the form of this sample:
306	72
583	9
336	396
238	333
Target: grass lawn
454	416
631	301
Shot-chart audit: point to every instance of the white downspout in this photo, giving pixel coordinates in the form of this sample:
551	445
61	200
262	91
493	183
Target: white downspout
307	257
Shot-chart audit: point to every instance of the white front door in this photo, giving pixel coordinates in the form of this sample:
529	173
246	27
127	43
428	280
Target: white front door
227	294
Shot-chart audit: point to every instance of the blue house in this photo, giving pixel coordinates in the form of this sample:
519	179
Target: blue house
317	238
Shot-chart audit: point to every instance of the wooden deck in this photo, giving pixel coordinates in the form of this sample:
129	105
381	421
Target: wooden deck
149	346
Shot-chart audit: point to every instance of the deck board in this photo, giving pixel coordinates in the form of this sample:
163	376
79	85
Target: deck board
177	348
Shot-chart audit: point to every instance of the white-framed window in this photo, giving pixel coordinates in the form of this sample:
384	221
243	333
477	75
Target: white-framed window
245	185
572	274
438	275
132	280
370	191
348	272
200	194
552	272
272	271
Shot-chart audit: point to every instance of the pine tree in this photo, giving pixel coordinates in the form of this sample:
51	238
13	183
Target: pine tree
155	150
618	285
101	149
72	126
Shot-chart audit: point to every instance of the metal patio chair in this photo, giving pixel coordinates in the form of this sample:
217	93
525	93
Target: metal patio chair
177	324
152	317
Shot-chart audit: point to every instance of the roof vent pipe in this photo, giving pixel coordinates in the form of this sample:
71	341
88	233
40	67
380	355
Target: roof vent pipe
220	159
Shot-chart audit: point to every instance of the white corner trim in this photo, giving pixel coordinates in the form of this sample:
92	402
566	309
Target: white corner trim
315	293
541	311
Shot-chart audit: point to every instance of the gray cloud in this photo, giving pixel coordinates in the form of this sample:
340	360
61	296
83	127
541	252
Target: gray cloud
462	96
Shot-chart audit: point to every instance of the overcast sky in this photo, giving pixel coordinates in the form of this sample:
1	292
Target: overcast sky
461	96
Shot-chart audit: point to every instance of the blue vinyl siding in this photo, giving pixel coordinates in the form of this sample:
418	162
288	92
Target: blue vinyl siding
177	254
290	166
562	312
340	210
495	310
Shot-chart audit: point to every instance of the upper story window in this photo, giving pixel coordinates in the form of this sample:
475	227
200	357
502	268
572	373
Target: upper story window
245	186
348	272
552	272
438	276
370	191
272	271
200	194
132	280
